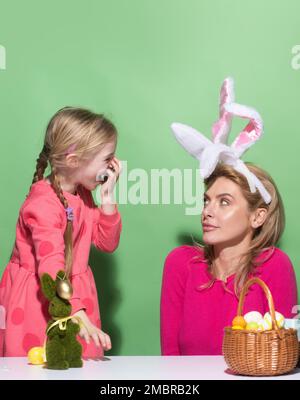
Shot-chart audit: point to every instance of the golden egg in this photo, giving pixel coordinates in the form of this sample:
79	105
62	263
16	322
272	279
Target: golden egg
36	356
64	289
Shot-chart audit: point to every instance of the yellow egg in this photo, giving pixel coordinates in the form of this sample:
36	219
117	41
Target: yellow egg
252	326
239	321
279	319
36	355
237	327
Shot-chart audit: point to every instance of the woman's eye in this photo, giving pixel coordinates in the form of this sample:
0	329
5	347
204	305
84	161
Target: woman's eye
225	202
205	201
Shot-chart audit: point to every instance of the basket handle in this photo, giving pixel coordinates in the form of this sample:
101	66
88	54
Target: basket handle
269	298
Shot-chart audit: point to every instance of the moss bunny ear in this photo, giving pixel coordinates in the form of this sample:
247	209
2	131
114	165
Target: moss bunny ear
48	286
60	275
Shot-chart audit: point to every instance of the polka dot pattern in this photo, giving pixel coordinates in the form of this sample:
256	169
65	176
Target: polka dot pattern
30	340
17	316
45	248
30	221
23	330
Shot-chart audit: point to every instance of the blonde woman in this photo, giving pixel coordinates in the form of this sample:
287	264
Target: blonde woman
201	285
242	222
57	223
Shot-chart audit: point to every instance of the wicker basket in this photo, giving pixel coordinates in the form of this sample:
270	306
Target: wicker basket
264	353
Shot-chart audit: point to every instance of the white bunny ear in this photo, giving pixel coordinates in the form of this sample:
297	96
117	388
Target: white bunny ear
221	128
253	130
190	139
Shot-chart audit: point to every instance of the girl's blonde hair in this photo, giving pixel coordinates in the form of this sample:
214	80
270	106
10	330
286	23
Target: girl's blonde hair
86	133
266	236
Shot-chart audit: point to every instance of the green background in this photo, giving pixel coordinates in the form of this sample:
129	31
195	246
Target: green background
146	64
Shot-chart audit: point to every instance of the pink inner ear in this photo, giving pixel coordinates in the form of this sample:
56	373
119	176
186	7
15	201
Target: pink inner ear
216	127
221	128
227	94
247	136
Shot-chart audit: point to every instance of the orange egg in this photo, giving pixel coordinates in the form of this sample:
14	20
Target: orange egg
239	321
237	327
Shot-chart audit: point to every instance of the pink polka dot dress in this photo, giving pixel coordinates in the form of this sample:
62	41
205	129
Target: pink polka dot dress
39	247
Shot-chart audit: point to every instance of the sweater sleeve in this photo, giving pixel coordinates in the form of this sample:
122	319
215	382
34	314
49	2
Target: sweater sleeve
280	277
172	300
45	222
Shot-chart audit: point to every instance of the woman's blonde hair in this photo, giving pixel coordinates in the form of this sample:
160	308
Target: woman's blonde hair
264	237
86	133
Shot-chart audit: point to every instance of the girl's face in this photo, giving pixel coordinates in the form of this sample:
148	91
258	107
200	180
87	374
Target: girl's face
89	170
226	218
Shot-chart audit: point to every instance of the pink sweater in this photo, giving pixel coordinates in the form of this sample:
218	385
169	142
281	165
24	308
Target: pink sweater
193	319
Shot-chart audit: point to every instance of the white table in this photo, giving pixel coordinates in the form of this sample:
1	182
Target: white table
130	368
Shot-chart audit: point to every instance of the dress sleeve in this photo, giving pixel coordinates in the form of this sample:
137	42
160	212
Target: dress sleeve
280	277
172	300
106	230
106	227
45	222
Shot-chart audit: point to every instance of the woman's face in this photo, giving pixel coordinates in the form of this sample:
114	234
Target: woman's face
225	215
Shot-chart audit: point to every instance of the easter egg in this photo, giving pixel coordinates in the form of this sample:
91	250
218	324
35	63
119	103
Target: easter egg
253	316
64	289
279	319
36	355
266	325
252	326
260	325
237	327
239	321
263	326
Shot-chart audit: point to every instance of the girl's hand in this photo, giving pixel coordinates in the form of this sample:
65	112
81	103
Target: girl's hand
107	188
88	330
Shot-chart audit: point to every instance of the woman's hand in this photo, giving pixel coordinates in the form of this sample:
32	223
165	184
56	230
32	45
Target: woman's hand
107	188
88	330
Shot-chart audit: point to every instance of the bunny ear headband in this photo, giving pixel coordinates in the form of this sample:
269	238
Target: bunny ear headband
209	153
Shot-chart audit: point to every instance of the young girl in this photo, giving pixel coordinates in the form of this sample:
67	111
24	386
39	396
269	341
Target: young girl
242	220
57	224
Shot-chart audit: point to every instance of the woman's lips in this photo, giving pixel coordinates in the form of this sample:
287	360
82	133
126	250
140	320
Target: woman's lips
208	227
